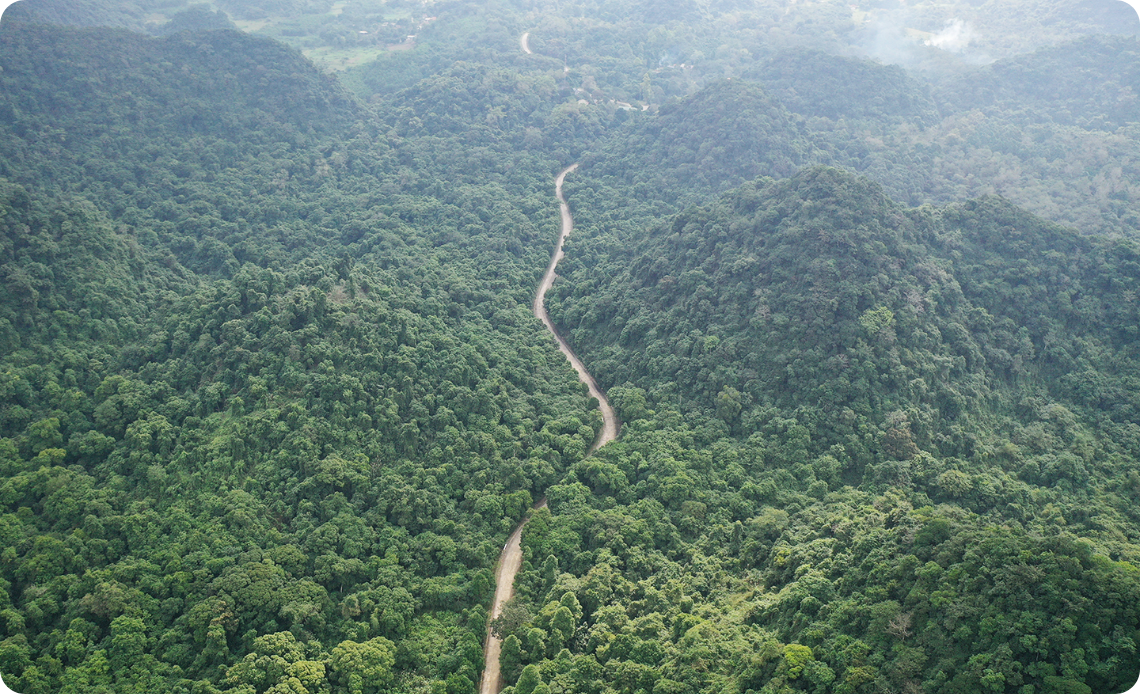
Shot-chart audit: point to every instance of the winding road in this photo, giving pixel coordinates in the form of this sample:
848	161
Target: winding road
511	559
610	422
524	43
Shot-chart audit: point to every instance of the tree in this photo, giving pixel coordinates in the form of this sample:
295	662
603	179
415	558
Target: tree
530	679
510	658
363	668
796	658
728	404
128	642
550	568
562	624
512	619
570	602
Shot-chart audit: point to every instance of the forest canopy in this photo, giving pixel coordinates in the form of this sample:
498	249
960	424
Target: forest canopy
272	396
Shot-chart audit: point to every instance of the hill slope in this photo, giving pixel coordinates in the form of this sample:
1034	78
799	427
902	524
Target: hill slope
271	388
856	406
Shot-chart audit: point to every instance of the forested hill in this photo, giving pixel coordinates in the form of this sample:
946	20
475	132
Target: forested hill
725	134
72	277
1092	83
998	129
910	433
164	84
271	397
690	151
196	137
77	13
814	83
821	294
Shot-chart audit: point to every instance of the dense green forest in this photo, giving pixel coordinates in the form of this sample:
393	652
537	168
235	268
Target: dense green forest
864	298
860	441
288	392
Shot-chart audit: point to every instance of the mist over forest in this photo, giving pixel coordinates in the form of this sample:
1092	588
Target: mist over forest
859	281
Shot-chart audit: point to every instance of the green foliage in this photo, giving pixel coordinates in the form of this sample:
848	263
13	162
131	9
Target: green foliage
513	617
364	667
725	134
816	84
796	658
876	320
867	506
1081	73
201	453
529	680
271	396
197	18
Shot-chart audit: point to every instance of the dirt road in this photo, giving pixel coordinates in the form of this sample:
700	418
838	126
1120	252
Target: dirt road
511	559
509	564
609	417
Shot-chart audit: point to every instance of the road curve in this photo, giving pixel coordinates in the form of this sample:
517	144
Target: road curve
610	423
524	43
511	559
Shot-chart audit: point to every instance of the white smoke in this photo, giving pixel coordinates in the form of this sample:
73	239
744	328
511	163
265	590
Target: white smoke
893	37
956	37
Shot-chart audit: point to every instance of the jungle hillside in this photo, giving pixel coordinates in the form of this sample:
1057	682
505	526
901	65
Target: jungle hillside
860	281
